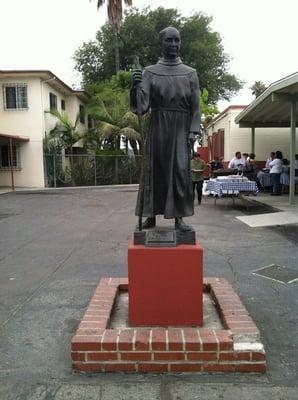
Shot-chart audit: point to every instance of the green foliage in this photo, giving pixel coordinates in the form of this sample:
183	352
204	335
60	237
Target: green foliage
89	61
207	110
140	34
65	134
201	48
258	88
121	81
109	108
51	145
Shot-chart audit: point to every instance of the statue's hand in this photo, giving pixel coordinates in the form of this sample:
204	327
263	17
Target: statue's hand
136	77
191	139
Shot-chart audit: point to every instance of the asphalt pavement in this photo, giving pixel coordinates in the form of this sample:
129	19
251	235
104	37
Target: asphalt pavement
55	246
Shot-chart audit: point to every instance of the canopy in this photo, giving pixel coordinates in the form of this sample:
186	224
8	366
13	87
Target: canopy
275	107
14	138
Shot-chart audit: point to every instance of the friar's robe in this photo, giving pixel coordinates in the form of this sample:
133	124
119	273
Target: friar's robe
170	91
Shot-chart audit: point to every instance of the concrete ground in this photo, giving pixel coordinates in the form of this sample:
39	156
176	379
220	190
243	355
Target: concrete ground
56	245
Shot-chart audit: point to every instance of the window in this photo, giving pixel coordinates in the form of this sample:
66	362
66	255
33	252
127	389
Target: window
53	101
90	122
62	104
82	114
15	96
4	156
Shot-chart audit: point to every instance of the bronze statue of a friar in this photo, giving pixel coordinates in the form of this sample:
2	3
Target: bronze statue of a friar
170	91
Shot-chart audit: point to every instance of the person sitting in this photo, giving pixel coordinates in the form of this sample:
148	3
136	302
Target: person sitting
216	164
237	162
275	172
296	172
250	168
284	177
245	158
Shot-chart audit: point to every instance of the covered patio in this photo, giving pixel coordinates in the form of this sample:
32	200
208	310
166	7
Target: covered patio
275	107
8	156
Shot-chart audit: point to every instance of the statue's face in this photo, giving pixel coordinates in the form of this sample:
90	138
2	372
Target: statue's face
171	43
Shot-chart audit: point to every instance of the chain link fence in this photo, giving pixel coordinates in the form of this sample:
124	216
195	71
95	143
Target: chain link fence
90	170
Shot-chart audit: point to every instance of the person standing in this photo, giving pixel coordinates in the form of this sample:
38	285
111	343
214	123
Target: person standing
197	169
275	171
269	159
250	168
285	176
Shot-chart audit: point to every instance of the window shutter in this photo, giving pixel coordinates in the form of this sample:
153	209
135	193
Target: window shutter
22	100
10	97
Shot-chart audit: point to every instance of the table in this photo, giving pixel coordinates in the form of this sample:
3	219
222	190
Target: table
231	188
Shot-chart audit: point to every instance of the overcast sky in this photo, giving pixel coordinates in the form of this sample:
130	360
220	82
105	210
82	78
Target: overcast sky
259	35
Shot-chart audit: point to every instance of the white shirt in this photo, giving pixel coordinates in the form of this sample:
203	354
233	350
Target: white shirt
267	162
275	166
236	163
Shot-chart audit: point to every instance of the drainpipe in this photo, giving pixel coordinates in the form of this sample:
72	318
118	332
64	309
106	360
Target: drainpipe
43	119
292	151
10	162
42	104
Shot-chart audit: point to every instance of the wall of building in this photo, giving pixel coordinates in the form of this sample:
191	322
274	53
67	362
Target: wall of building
25	123
239	139
49	120
72	108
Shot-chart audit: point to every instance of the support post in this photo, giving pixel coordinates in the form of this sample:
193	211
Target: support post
292	150
253	139
116	170
95	176
54	167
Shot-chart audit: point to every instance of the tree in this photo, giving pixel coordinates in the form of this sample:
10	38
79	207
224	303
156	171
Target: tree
109	109
115	16
64	135
207	111
65	132
258	88
201	48
88	61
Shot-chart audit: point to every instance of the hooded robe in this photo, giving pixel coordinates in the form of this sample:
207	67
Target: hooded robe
170	91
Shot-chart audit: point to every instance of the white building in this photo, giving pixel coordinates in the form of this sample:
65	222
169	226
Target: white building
224	137
26	96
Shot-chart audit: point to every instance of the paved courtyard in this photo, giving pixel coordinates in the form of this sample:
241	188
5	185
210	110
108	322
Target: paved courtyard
56	245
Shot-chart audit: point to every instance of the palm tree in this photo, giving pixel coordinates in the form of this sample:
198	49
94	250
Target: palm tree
115	17
65	134
258	88
111	123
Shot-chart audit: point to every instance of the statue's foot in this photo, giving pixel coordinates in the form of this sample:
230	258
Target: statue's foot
181	225
149	222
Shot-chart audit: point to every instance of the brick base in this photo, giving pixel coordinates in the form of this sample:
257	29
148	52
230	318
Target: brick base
237	348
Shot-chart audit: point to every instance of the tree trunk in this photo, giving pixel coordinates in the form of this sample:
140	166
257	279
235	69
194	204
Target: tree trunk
117	54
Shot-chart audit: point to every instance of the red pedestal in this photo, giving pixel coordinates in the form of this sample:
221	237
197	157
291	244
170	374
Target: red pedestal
165	285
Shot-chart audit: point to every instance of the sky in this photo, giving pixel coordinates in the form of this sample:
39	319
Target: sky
260	36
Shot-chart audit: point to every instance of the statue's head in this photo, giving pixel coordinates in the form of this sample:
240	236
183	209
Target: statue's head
170	42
